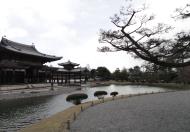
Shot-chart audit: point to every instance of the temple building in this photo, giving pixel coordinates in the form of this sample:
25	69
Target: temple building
70	74
20	63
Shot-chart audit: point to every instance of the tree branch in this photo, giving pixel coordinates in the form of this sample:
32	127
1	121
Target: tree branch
162	52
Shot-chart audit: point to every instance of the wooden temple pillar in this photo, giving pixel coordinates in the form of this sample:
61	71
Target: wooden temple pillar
50	77
5	76
69	78
66	78
38	76
32	75
29	75
53	76
57	78
35	75
0	76
61	78
45	77
74	77
80	77
13	76
25	79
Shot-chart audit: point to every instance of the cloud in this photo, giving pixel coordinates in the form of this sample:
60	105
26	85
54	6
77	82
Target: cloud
67	28
16	32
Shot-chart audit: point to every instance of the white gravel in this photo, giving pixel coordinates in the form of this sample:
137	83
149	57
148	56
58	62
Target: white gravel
164	112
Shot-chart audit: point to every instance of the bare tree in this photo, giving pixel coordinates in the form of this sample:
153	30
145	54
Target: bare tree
182	13
134	34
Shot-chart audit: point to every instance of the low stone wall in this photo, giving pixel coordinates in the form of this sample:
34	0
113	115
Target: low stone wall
35	92
12	87
60	122
23	86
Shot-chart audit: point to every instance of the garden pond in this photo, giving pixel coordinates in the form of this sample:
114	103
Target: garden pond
18	113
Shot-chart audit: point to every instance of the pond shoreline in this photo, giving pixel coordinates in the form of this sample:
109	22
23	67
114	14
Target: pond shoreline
59	121
32	93
42	107
46	91
174	86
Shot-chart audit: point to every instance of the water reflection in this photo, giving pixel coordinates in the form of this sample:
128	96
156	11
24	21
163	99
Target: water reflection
15	114
121	89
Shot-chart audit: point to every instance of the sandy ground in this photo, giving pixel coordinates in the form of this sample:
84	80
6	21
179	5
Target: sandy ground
164	112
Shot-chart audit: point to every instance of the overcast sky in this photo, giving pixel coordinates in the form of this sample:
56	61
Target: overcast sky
70	28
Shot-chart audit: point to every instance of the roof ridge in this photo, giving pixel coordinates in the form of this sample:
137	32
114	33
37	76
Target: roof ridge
25	49
7	40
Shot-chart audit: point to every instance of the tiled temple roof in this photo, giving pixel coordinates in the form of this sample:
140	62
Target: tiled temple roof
25	49
68	63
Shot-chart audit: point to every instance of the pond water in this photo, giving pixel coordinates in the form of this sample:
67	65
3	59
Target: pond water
16	114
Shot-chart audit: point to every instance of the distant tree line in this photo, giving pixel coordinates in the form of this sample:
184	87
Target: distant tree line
148	72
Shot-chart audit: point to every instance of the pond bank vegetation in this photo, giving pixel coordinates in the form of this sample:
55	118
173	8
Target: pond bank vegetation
175	86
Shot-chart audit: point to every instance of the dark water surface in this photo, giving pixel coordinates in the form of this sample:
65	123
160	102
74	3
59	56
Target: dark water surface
16	114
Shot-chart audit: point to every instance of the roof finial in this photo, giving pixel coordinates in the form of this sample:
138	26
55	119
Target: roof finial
33	45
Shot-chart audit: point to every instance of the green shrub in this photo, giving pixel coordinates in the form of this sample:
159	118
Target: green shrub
113	94
100	94
76	98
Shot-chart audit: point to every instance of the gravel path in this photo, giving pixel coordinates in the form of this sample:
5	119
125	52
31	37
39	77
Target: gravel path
165	112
